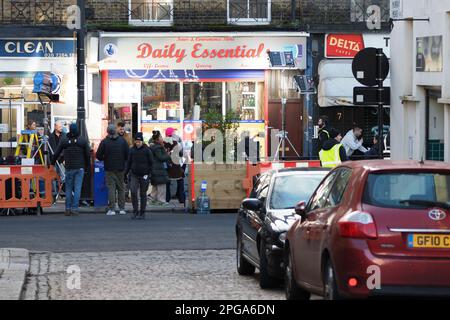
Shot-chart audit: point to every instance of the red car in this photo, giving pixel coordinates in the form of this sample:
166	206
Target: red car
373	228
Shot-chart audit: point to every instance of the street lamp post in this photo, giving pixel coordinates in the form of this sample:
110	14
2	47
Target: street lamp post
81	63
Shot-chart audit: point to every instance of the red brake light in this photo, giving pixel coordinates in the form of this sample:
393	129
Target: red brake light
359	225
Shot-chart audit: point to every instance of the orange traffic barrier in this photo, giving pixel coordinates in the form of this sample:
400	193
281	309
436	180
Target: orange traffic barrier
256	169
26	186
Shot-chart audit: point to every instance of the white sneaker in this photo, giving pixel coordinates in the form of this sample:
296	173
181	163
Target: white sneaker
111	213
122	212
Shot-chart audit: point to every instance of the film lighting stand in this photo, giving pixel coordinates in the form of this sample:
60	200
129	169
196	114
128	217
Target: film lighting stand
283	135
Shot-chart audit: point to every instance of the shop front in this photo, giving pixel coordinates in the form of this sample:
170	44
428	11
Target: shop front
20	60
335	89
156	81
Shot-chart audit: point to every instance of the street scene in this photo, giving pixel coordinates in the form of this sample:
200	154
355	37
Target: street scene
224	150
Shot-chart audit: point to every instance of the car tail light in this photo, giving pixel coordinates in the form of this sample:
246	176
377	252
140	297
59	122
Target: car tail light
352	282
358	225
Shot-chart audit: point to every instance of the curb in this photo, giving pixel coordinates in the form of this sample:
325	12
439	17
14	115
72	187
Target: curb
14	266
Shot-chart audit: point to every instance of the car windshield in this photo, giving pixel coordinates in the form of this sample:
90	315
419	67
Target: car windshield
290	189
408	190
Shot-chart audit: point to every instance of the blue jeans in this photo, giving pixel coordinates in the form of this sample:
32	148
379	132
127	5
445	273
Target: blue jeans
74	182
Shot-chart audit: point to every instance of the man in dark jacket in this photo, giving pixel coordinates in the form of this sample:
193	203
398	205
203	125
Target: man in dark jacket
374	152
160	176
333	152
113	150
324	131
55	138
140	164
77	159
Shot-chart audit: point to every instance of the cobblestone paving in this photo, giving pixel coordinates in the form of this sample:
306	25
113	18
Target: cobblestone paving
186	274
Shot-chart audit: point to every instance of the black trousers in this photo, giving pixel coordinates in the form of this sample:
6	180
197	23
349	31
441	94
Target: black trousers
139	184
180	191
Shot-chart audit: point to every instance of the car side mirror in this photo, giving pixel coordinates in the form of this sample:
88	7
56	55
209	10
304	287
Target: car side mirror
252	204
300	209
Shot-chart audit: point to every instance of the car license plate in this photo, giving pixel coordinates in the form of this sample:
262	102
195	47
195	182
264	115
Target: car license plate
429	241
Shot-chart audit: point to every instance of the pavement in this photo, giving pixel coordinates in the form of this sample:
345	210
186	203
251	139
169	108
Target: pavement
14	266
142	275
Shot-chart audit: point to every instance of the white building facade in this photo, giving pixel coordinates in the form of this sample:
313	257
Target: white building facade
420	80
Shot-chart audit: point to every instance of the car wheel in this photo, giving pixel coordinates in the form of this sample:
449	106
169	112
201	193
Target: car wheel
293	291
244	268
331	291
265	280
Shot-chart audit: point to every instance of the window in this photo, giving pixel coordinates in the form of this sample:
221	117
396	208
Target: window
289	190
321	195
148	12
249	11
393	190
337	192
201	98
160	101
246	99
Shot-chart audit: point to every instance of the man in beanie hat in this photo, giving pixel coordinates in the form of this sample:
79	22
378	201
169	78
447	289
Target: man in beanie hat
113	150
77	161
333	152
139	167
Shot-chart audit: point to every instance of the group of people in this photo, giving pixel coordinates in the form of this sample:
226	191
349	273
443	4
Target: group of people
129	165
335	149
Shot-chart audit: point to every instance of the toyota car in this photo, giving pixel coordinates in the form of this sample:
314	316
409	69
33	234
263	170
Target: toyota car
373	228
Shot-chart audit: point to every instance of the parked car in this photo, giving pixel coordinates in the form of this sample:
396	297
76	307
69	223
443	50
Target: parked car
265	217
373	228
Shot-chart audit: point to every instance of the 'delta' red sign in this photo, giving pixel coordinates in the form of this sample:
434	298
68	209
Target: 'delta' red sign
343	45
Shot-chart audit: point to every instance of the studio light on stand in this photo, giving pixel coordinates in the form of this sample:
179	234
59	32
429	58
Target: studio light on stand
45	84
282	60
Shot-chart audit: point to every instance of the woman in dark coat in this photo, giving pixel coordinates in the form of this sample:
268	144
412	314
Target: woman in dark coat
160	176
173	144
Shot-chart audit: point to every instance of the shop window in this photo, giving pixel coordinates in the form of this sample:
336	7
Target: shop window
148	12
160	101
245	99
201	98
249	11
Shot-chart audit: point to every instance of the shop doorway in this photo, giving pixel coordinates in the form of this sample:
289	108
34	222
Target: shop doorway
9	124
294	124
127	113
434	126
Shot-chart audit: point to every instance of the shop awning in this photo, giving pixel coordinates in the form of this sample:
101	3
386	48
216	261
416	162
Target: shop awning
337	82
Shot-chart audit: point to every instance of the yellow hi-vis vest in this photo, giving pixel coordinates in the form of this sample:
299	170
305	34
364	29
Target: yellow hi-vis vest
330	158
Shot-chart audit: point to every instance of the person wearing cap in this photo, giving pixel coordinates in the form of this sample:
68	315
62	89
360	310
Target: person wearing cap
160	176
77	161
176	167
139	167
333	152
113	150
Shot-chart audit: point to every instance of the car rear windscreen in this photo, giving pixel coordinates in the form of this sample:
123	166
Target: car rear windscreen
290	189
407	190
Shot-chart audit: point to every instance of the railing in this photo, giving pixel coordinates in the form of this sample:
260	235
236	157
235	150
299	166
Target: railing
249	11
151	11
33	12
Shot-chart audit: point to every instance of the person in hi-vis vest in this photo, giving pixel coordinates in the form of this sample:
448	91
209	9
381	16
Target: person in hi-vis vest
333	152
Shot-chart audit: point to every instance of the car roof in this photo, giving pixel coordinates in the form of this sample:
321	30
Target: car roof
302	169
393	165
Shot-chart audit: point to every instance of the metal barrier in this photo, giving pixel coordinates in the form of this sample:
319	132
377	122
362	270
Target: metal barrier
26	187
